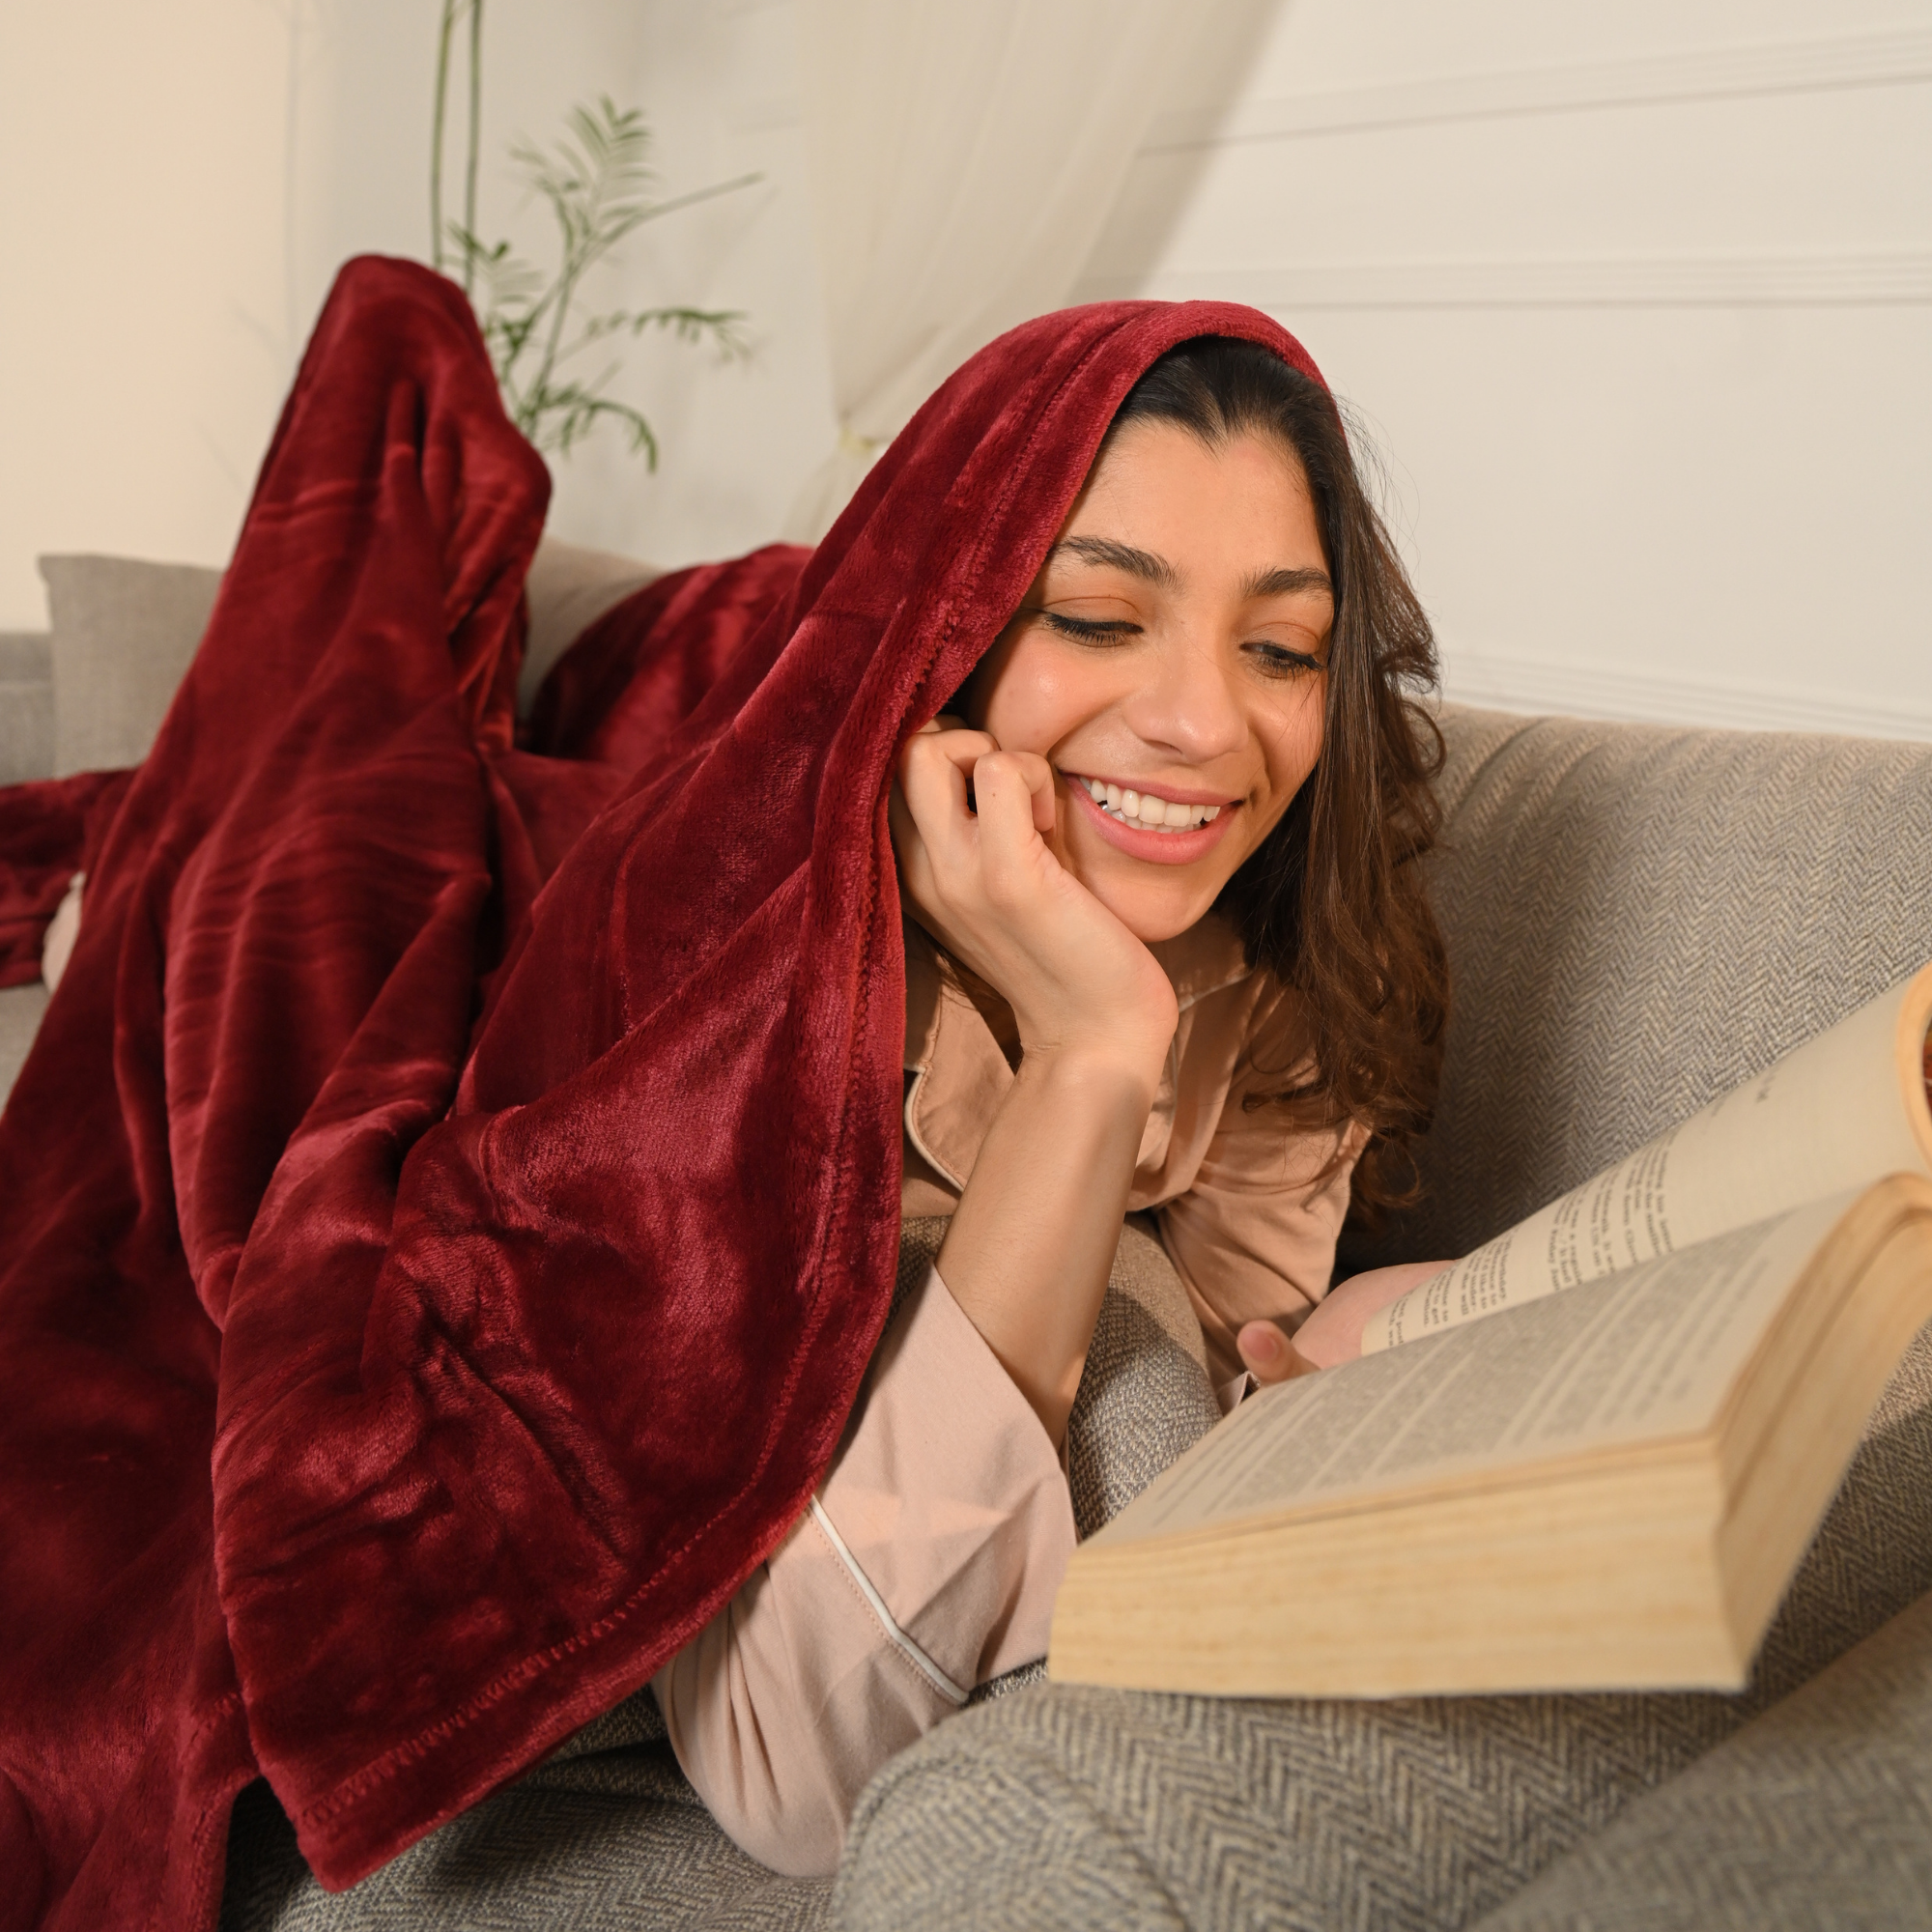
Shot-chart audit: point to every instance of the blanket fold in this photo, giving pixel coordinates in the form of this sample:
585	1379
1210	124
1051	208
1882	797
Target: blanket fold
454	1195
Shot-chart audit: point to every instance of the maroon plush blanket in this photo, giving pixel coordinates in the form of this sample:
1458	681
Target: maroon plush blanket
454	1193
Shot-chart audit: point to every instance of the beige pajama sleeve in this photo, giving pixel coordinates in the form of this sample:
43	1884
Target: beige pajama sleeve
1253	1235
926	1564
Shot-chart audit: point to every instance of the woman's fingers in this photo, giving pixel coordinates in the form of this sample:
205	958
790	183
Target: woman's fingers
988	884
1270	1355
1334	1333
1038	776
933	771
930	753
1013	796
939	838
908	845
1011	793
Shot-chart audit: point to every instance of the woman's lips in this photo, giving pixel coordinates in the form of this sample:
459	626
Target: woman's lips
1169	793
1160	848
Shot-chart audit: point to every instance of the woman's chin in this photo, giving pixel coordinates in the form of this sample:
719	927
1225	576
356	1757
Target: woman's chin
1157	884
1154	910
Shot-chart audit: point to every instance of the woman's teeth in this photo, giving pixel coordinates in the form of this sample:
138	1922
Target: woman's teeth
1148	814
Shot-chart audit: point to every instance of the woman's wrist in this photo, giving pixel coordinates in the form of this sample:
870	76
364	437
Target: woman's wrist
1104	1041
1113	1073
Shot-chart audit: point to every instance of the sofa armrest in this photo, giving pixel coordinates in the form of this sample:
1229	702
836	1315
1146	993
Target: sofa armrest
1818	1813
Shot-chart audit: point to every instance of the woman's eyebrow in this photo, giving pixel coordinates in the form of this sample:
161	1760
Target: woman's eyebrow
1285	582
1156	570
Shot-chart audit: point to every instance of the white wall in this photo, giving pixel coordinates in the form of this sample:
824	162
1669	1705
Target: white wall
140	222
181	182
1636	297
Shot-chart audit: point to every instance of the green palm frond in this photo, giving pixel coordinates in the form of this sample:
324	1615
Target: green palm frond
718	326
562	417
596	179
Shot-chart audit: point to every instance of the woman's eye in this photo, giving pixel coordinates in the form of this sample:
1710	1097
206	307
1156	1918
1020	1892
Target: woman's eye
1278	661
1092	630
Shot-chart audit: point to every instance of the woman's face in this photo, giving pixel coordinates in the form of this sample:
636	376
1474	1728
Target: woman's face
1170	663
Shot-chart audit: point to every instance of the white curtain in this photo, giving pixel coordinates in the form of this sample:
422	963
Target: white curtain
964	155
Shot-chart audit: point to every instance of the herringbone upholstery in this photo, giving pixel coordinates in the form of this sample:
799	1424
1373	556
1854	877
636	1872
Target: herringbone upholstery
1144	1395
1070	1808
1819	1815
549	1853
1638	917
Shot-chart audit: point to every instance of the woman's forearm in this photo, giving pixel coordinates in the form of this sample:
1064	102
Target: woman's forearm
1032	1243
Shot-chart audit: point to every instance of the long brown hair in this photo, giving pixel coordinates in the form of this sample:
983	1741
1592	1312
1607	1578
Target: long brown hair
1332	902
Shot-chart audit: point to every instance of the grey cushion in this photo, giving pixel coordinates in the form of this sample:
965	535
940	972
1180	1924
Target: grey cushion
1818	1814
124	631
569	589
1144	1394
26	706
123	634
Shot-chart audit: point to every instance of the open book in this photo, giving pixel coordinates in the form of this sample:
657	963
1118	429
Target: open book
1518	1488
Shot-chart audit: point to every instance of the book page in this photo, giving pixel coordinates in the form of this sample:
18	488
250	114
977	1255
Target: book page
1842	1111
1650	1353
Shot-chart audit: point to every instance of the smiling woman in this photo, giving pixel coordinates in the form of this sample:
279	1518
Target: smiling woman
1166	951
1037	852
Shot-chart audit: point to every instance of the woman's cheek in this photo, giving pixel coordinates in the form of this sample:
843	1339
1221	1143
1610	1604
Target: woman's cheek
1298	744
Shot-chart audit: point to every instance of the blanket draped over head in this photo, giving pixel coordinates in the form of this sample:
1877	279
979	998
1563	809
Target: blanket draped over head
453	1195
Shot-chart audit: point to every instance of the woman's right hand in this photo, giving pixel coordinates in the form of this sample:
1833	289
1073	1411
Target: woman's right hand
987	885
1026	1252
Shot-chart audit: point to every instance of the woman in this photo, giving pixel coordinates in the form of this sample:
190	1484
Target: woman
453	1200
1110	812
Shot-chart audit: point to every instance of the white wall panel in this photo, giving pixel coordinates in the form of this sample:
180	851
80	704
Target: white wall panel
1638	302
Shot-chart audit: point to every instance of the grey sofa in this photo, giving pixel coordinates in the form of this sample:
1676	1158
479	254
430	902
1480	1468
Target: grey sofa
1638	918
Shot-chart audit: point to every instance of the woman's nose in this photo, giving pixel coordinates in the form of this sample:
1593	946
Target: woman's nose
1189	706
